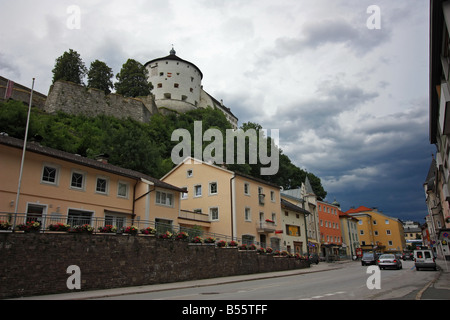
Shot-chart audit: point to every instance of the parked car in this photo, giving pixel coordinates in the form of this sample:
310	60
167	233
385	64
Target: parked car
368	258
314	258
407	256
389	261
424	258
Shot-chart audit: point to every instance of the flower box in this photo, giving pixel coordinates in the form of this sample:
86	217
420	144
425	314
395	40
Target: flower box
166	236
210	240
59	227
130	230
221	244
182	236
197	240
233	244
148	231
85	228
31	226
243	247
5	225
261	251
107	229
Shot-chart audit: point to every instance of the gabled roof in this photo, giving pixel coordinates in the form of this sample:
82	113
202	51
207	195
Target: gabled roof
193	160
296	193
346	215
361	211
236	173
91	163
290	206
358	210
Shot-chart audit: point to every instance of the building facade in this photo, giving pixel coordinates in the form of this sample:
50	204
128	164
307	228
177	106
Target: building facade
349	232
243	207
330	229
62	187
305	198
294	222
437	182
413	234
377	231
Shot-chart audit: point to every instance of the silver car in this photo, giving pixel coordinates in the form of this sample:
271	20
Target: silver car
389	261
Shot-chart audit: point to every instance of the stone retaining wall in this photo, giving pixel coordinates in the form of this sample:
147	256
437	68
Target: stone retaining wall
36	264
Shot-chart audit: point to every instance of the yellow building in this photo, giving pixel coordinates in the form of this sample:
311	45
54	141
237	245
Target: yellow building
377	231
57	186
229	203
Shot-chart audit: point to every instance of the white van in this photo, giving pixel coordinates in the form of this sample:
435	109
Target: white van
424	258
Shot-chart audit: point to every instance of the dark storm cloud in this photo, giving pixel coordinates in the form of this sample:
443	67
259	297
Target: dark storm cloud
357	38
320	112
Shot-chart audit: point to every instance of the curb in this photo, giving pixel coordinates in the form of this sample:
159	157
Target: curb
421	292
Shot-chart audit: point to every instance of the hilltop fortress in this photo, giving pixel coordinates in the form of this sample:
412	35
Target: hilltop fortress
177	88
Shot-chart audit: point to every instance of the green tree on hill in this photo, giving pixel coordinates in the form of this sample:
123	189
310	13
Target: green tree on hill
132	80
69	67
99	76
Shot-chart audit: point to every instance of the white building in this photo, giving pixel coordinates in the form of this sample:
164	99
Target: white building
305	198
177	86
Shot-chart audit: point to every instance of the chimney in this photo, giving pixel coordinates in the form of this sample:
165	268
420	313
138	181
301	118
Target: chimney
103	158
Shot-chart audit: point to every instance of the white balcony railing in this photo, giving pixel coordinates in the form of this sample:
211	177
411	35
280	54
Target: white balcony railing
264	226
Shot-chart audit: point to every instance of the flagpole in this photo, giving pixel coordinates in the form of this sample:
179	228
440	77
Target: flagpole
23	155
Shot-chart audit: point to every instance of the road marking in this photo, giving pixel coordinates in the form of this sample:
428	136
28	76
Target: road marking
325	295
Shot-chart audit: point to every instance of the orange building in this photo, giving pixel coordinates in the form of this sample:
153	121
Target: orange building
329	228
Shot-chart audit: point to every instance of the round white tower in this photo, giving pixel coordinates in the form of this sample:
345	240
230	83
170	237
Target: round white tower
176	82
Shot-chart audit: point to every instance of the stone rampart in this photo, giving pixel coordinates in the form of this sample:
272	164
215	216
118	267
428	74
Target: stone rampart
76	99
22	93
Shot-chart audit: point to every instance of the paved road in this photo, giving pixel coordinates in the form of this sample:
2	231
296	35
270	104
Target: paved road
340	281
326	281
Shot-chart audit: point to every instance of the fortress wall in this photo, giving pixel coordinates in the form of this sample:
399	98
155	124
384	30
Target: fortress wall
76	99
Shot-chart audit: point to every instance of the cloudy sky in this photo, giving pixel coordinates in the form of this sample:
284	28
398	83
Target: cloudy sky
351	102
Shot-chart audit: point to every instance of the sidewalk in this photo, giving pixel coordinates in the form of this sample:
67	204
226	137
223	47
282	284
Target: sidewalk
82	295
439	288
